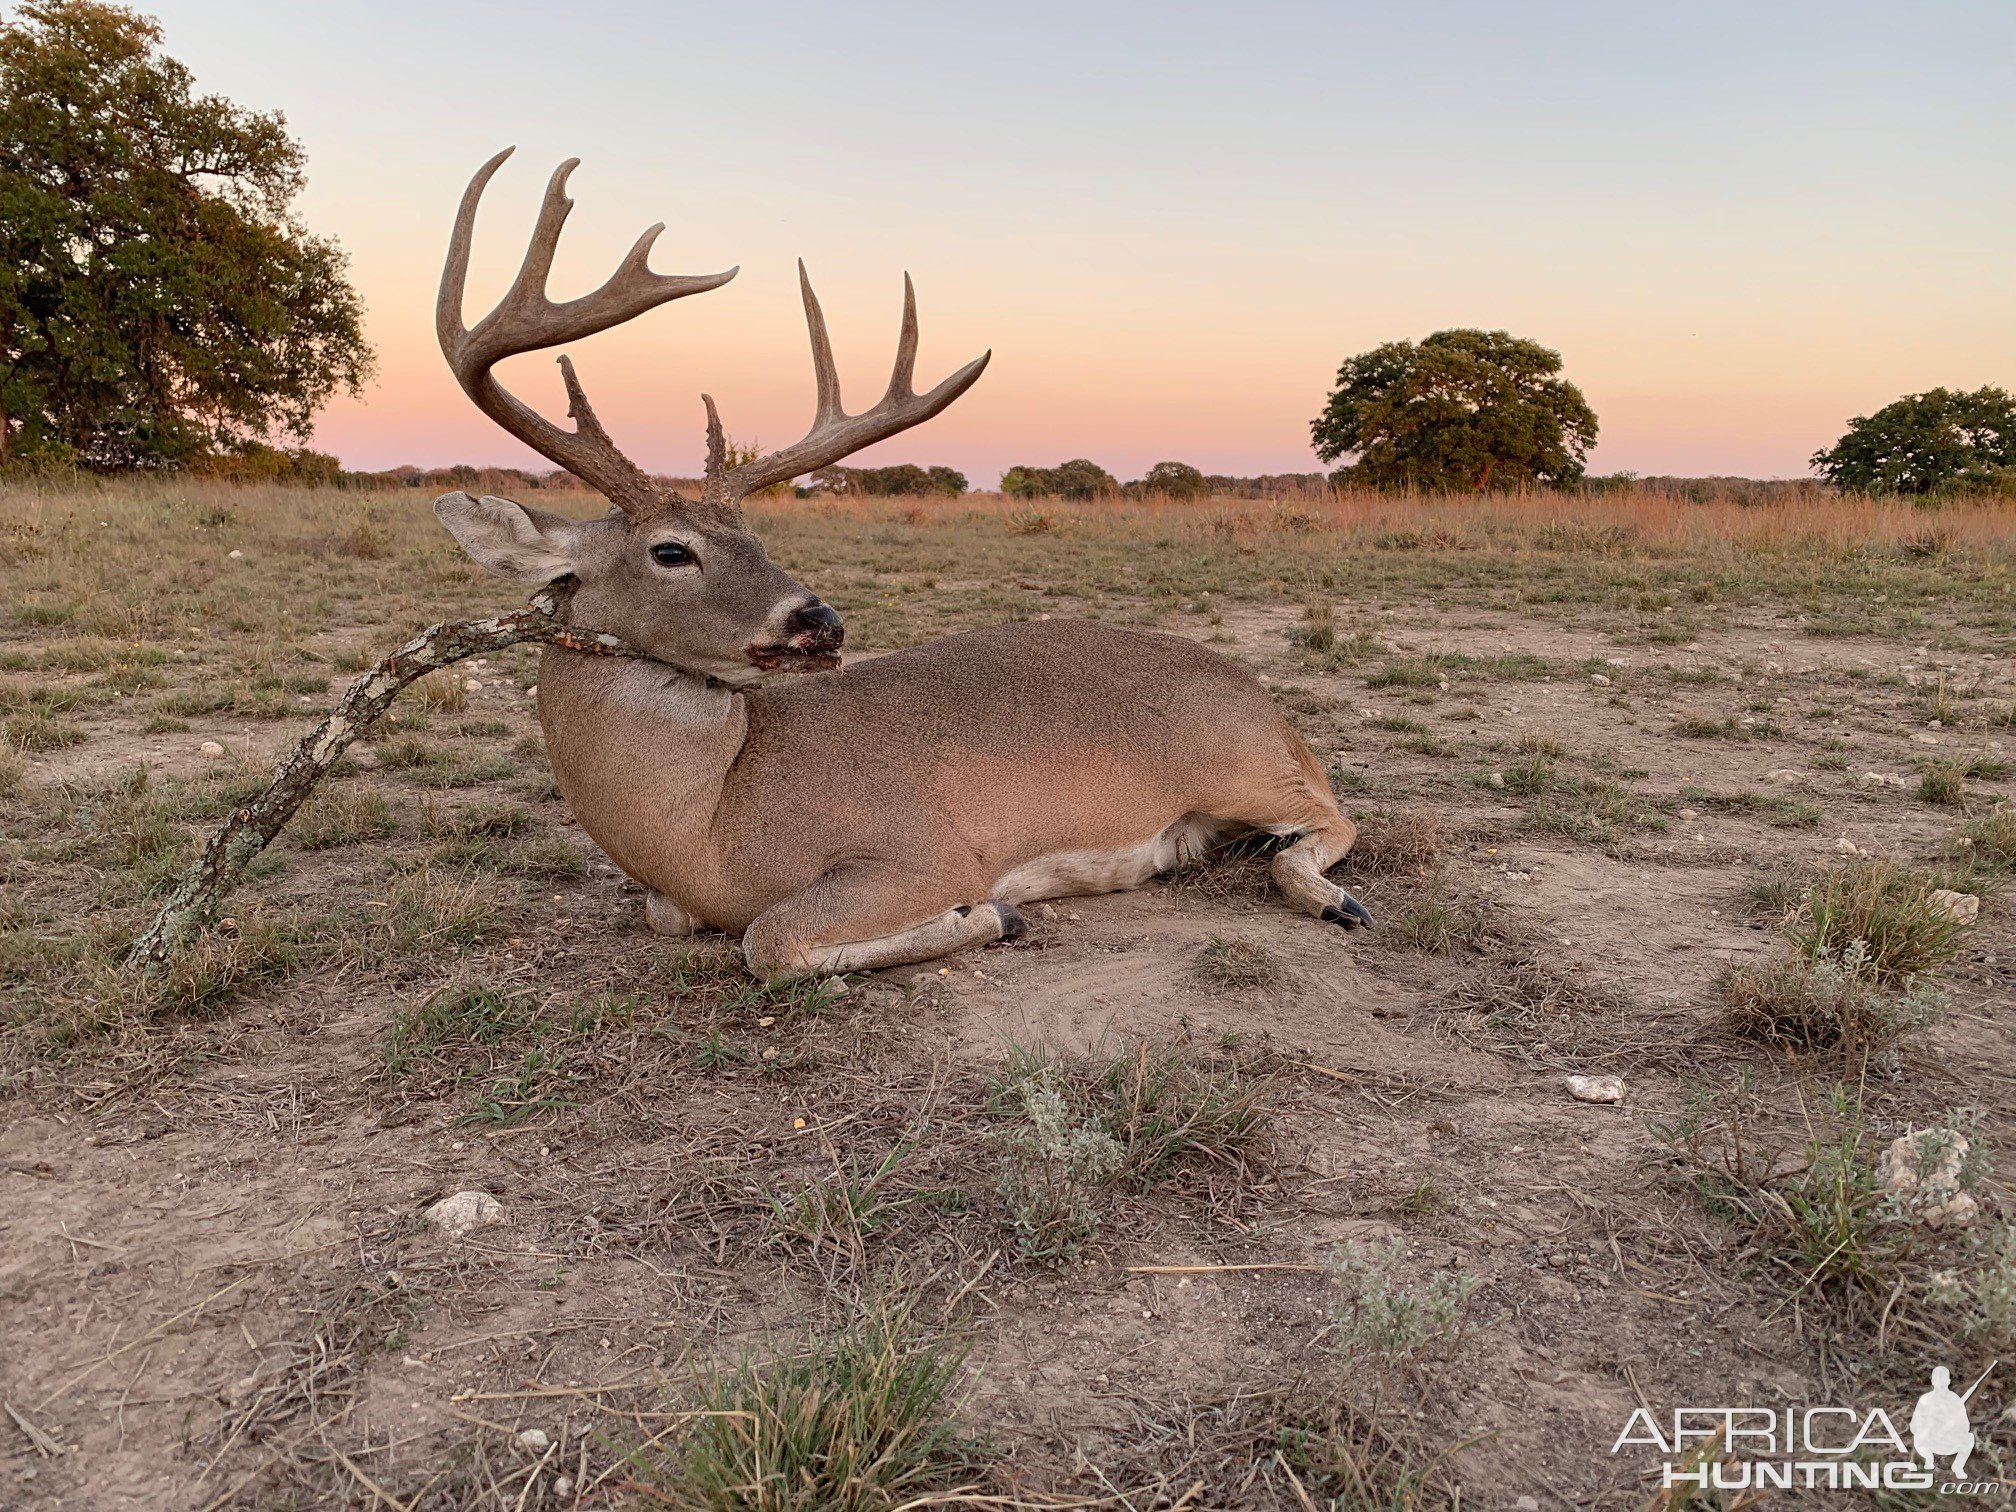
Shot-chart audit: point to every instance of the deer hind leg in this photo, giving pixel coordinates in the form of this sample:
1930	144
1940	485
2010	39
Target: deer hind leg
863	917
1298	872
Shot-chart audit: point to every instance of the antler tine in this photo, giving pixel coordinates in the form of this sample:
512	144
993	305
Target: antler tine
835	433
824	369
526	320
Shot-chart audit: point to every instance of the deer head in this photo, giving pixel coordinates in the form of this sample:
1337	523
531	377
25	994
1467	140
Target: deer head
679	578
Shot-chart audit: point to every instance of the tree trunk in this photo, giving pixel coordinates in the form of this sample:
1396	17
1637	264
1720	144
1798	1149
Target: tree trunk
194	904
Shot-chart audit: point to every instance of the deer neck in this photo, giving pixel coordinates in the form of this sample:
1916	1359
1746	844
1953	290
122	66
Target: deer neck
640	751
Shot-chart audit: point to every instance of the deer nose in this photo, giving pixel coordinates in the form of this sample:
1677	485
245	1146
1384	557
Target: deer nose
814	629
817	618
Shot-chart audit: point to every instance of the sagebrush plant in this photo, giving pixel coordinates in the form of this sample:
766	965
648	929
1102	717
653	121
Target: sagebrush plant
861	1421
1052	1160
1382	1322
1132	1119
1981	1296
1826	1001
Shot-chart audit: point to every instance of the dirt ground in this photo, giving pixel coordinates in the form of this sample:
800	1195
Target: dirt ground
1577	760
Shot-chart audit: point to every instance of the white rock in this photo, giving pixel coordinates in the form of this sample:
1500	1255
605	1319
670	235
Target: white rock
1599	679
459	1212
834	986
536	1440
1497	779
1880	779
1526	1504
237	556
1788	776
211	748
563	1486
1924	1169
1919	737
1596	1089
1689	813
1961	908
1848	847
472	685
1616	661
1368	713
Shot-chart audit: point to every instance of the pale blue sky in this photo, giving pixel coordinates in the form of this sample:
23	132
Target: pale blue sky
1740	224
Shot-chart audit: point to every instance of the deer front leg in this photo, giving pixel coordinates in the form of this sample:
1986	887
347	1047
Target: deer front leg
862	917
666	917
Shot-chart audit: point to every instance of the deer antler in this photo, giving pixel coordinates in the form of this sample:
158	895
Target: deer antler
835	433
525	320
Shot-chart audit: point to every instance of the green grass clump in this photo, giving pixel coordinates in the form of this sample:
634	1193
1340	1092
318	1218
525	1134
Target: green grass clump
859	1422
342	816
1943	783
1885	906
1992	840
470	1015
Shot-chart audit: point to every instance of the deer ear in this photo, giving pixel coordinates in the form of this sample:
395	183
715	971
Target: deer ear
531	545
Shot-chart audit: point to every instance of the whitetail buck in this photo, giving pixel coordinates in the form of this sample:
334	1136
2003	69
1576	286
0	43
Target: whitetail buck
894	812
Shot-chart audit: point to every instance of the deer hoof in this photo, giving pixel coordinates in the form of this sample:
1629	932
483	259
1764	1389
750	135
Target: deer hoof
1012	925
1348	912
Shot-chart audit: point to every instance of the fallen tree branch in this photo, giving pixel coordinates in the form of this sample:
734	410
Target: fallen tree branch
197	898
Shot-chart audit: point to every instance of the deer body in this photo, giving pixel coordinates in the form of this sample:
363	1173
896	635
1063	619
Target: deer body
1027	771
893	812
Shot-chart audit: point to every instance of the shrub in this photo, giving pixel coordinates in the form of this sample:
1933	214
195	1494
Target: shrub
1824	1002
1379	1321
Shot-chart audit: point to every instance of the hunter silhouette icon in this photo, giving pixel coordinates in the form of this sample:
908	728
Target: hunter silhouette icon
1939	1425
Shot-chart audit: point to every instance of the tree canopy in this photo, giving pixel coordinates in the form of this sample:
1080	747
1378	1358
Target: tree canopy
158	300
1178	480
1080	478
1461	411
1938	440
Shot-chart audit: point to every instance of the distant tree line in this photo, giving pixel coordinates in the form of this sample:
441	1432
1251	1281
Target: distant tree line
901	479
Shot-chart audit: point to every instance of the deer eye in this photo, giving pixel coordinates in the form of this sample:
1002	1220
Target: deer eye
670	554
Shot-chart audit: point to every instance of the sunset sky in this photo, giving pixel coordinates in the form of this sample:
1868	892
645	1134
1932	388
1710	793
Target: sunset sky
1740	224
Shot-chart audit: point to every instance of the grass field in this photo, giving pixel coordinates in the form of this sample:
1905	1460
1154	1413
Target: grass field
1182	1200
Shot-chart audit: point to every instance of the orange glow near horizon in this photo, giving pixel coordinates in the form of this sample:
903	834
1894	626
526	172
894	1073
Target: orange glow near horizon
1740	227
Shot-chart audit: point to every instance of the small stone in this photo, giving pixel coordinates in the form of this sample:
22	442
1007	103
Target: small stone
237	556
1525	1504
212	749
1925	1170
472	685
1919	737
535	1439
1596	1089
563	1486
1616	661
1497	779
1847	847
1959	907
834	987
1689	813
533	691
1599	679
1785	776
459	1212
